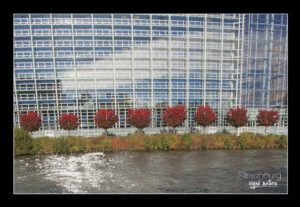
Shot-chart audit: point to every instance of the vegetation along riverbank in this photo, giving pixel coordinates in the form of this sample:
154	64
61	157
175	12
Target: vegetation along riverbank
25	145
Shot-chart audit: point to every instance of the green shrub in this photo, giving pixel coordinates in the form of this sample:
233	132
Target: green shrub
204	144
187	141
281	141
60	146
153	144
148	144
242	143
106	145
36	148
164	143
228	143
80	148
22	142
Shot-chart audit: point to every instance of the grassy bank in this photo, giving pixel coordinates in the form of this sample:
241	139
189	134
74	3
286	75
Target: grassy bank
25	145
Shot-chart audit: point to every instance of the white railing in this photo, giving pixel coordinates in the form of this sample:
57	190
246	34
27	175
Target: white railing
103	54
213	25
23	65
42	43
102	43
21	32
19	21
123	55
44	66
22	43
83	43
66	75
25	87
104	32
178	75
158	33
196	34
228	36
62	32
213	56
141	22
196	24
43	54
141	33
194	85
40	21
24	76
161	85
102	21
229	26
160	44
82	20
141	54
83	32
26	98
178	23
214	35
63	43
45	75
122	21
84	54
157	22
62	21
122	33
41	32
62	54
160	54
45	86
122	44
23	55
195	54
178	33
178	55
63	65
212	76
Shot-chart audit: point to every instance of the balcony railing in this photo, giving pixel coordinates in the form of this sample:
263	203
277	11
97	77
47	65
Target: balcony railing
83	32
43	44
45	32
43	55
22	44
23	55
25	87
156	22
102	21
122	21
178	23
196	34
61	32
141	22
83	21
24	76
62	43
40	21
62	21
23	66
24	32
20	21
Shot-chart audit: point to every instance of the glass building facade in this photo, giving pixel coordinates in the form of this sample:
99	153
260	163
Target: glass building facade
79	63
265	63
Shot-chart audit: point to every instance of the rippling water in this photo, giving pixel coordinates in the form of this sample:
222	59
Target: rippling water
216	171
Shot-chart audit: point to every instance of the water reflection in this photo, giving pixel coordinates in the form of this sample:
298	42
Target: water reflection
149	172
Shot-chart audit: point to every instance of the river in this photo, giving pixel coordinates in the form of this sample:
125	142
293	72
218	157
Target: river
198	171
